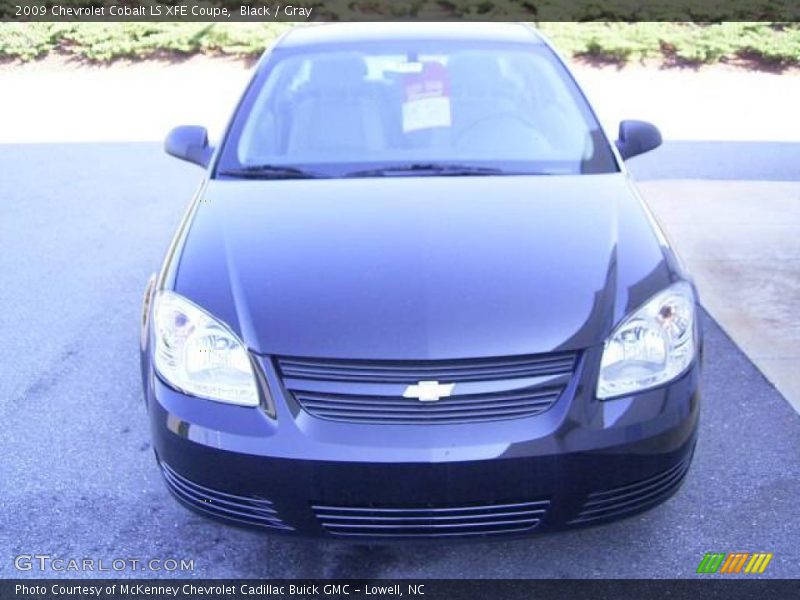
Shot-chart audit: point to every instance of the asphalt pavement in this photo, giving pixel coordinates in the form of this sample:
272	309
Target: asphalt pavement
720	160
83	225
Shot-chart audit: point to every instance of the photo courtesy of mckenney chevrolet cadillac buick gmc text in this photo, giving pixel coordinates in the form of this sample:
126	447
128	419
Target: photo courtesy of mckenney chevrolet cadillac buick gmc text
417	295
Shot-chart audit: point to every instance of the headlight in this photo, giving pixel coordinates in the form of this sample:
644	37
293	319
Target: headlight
199	355
652	346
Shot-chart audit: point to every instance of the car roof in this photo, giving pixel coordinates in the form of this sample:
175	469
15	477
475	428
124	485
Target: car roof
342	33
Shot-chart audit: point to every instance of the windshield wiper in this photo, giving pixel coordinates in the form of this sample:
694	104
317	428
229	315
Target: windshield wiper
272	172
448	169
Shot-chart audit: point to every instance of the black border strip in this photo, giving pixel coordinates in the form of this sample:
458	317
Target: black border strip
709	587
388	10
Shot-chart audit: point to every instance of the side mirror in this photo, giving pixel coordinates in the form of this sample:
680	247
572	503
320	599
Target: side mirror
637	137
189	142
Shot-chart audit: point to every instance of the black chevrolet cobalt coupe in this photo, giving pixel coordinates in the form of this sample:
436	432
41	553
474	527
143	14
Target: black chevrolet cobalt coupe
416	295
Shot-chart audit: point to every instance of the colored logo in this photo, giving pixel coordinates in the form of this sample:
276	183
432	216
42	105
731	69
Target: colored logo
734	562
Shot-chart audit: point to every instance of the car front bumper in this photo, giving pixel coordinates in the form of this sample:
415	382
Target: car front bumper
581	462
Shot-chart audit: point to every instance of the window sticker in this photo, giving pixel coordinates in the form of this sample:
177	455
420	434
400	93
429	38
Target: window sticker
426	102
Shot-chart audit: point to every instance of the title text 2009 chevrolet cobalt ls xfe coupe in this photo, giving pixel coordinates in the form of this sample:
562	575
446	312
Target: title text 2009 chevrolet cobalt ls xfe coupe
417	295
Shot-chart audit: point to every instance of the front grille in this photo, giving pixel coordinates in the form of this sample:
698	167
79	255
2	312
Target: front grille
372	392
438	521
408	372
406	411
248	510
618	502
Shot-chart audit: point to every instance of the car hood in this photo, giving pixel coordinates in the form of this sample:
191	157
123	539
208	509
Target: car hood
421	267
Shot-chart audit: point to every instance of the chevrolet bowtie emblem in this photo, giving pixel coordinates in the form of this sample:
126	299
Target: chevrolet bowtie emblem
429	391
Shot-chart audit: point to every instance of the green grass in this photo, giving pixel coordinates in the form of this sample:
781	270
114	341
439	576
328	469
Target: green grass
102	42
775	44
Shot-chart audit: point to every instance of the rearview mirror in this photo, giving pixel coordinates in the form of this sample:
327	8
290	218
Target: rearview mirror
189	142
637	137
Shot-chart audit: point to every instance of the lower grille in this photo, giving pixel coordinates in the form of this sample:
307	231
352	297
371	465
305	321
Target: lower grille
441	521
248	510
618	502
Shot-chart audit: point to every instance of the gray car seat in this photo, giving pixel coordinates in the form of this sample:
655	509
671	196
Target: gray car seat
336	110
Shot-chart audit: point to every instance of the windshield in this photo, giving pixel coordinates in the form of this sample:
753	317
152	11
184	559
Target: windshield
413	107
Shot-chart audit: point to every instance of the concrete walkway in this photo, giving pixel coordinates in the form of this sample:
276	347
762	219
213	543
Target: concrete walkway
711	103
142	101
741	239
56	101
